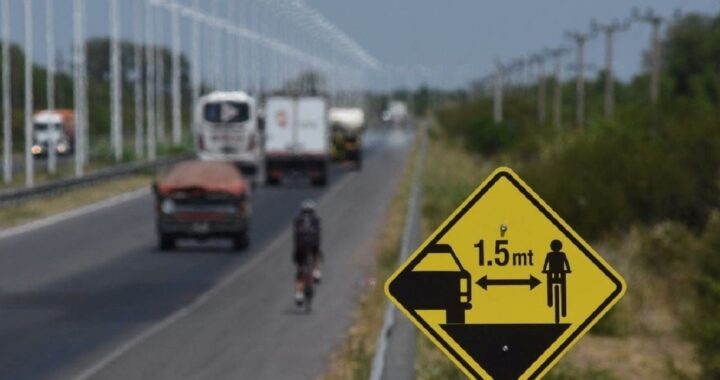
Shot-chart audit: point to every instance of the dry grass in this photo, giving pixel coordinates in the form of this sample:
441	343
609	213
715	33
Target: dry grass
14	215
353	360
642	338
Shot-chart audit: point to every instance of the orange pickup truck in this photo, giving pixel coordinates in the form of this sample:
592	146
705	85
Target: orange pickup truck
200	200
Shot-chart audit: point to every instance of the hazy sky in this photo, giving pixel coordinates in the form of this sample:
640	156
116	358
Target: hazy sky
444	42
466	36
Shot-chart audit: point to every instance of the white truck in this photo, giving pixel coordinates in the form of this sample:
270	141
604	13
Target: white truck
396	114
53	130
297	138
226	129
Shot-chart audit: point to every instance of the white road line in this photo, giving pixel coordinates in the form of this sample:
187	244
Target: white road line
74	213
204	297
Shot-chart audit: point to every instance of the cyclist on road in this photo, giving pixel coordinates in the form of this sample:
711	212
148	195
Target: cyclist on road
307	246
556	268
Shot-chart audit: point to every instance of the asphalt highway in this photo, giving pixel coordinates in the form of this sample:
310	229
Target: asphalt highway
91	297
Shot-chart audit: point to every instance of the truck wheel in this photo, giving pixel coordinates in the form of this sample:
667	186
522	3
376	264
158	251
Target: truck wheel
320	181
241	242
167	243
271	181
455	315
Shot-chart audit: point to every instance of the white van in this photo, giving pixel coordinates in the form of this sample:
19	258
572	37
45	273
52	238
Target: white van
226	129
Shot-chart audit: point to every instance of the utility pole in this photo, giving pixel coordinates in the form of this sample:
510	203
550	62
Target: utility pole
150	82
115	82
580	40
656	21
78	7
138	85
29	166
50	51
609	30
82	71
216	46
498	99
7	100
176	95
160	103
539	59
557	55
194	57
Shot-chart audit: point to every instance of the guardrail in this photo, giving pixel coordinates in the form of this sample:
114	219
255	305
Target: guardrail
19	195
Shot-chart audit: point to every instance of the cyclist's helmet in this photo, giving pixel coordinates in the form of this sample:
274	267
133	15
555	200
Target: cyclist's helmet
308	206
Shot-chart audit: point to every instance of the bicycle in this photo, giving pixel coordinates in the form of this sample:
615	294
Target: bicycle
557	295
308	282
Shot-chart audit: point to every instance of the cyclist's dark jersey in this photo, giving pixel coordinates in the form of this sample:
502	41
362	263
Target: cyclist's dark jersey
307	236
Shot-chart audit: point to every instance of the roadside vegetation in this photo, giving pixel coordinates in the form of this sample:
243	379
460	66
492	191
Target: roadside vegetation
642	187
354	358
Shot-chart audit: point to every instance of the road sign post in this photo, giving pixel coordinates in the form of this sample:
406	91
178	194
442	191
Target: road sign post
504	287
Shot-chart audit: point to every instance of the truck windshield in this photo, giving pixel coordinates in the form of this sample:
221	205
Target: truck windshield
227	112
44	126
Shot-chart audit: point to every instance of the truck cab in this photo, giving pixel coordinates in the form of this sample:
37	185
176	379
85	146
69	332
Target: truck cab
226	129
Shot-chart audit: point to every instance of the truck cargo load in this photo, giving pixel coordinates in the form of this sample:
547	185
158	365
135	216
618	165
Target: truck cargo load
296	138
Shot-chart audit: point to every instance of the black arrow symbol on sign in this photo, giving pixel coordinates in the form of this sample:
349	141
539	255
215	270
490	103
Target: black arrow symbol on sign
484	282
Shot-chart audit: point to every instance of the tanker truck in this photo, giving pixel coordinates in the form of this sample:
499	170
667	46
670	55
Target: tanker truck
346	128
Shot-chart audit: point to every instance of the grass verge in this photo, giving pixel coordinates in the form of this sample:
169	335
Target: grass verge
26	212
354	358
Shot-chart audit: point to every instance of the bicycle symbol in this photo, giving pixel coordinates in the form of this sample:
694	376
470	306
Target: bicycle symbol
556	268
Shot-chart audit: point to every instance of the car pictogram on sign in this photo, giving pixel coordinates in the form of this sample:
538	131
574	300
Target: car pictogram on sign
436	281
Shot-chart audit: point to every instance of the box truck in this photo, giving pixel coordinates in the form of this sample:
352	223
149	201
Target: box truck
296	138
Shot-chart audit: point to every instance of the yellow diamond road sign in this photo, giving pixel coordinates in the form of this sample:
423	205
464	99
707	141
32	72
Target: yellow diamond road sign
504	286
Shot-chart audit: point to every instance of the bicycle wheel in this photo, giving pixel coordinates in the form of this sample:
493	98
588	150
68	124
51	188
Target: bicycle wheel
308	291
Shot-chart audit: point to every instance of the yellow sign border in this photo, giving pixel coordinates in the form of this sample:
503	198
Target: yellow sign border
549	359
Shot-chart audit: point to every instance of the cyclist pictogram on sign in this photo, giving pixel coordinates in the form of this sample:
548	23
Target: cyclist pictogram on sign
504	286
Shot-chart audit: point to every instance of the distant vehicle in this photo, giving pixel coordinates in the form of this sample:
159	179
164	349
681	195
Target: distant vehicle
202	199
425	287
297	138
53	128
396	114
347	126
226	129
